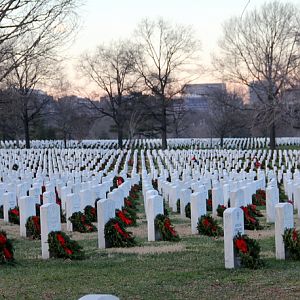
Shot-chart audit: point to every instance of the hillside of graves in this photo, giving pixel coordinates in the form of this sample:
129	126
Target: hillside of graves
190	222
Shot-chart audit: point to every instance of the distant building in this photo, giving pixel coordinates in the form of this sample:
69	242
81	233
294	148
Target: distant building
196	96
259	90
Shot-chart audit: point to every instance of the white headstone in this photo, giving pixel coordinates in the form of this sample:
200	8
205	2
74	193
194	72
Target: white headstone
233	224
283	220
50	221
26	209
105	211
155	207
198	208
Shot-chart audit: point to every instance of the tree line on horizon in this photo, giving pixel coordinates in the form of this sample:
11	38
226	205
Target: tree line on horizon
144	78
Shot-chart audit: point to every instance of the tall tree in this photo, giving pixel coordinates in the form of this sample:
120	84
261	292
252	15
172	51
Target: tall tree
25	24
261	50
111	69
226	115
165	51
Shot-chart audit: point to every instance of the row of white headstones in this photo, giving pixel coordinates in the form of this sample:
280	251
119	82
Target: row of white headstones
50	213
237	190
151	143
233	219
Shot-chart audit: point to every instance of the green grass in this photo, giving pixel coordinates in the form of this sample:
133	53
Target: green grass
196	272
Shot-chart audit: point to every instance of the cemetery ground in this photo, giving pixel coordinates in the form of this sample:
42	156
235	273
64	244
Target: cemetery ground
190	269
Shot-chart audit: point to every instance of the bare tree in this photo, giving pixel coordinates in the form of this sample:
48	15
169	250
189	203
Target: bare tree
23	79
72	120
222	119
25	24
261	51
111	69
165	52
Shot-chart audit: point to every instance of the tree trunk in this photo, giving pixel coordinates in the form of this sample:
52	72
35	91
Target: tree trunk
120	137
164	129
65	142
26	132
272	136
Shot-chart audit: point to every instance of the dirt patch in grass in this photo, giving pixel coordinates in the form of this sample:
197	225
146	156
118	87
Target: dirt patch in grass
178	247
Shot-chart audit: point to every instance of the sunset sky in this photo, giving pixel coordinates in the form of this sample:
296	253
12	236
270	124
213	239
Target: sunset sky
106	20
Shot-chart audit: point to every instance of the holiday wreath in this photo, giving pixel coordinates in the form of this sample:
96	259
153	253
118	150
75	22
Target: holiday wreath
81	223
248	250
220	210
209	226
117	181
250	218
116	235
14	215
165	229
6	249
61	246
91	213
33	228
259	198
124	217
291	239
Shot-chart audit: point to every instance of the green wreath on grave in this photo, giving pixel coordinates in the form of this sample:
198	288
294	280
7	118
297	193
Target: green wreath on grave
82	223
91	213
220	210
14	215
125	217
130	203
118	180
33	228
259	198
116	235
209	204
165	228
291	239
248	250
6	249
251	222
187	210
61	246
207	225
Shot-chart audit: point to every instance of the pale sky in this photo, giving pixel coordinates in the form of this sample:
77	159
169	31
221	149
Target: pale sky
106	20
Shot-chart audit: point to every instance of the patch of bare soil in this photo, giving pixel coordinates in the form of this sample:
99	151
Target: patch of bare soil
149	249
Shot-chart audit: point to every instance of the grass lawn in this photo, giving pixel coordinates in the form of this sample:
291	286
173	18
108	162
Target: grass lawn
190	269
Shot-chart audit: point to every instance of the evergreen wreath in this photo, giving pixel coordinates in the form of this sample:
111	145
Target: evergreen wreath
116	235
291	239
259	198
33	227
209	226
165	228
209	204
91	213
6	249
187	210
124	217
81	223
61	246
118	180
251	222
14	215
248	250
130	203
220	210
